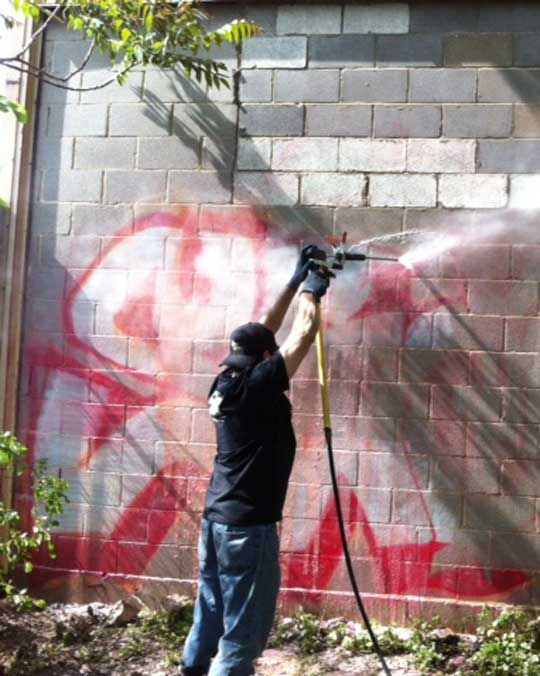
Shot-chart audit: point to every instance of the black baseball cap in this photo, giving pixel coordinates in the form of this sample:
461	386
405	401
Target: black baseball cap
248	343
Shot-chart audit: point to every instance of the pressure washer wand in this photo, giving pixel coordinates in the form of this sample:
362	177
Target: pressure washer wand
323	381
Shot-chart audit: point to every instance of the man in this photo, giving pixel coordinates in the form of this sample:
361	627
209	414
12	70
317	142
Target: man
238	547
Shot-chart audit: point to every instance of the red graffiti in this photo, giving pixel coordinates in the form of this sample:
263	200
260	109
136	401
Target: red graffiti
166	292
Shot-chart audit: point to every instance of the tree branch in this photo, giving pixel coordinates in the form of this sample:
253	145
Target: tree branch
37	33
45	77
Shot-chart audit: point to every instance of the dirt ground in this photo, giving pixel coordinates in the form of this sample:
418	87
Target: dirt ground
99	640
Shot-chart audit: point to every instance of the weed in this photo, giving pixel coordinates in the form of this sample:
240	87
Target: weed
314	636
508	644
170	627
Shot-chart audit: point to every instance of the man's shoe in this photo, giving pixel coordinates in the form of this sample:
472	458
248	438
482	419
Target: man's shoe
198	670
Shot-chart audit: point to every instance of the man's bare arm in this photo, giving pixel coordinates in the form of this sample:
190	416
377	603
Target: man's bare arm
275	315
302	335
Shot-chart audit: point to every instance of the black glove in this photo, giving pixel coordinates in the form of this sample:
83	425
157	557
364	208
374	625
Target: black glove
317	282
305	264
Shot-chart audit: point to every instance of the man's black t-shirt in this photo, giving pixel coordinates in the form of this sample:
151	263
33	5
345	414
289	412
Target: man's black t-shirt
255	445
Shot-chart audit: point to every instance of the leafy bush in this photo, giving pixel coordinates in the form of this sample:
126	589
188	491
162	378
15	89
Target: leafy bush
19	545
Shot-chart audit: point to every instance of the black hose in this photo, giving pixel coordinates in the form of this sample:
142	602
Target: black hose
354	585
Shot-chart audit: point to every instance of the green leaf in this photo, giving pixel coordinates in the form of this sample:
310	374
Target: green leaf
3	204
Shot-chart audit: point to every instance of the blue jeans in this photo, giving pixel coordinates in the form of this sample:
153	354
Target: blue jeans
238	587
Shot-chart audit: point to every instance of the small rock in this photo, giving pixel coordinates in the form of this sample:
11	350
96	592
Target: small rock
121	613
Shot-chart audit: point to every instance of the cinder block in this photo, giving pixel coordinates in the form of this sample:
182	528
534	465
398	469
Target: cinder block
374	86
344	396
191	120
87	419
466	403
502	440
515	551
368	155
521	477
265	17
311	86
409	50
389	470
266	188
305	154
168	153
164	493
504	370
393	400
149	256
130	92
46	284
218	153
509	85
55	152
441	156
207	355
186	390
134	119
407	121
203	186
509	156
522	334
68	55
256	85
93	488
72	186
160	355
254	154
442	85
426	508
50	219
499	512
465	475
168	86
519	16
445	437
391	190
521	405
314	19
482	261
381	363
352	51
527	121
525	262
473	191
272	120
377	18
478	50
434	366
367	223
525	51
303	501
135	186
524	192
503	298
477	121
186	321
444	17
106	153
338	120
334	189
468	333
275	52
58	32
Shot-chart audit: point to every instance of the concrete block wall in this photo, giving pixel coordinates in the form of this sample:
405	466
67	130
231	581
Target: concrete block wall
163	217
